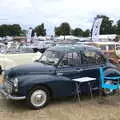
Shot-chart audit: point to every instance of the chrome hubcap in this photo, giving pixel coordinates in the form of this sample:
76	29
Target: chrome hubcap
38	98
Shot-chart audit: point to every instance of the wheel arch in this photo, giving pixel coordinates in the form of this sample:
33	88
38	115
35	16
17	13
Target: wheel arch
43	86
111	71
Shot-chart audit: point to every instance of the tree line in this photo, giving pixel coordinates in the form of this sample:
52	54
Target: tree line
65	29
107	27
10	30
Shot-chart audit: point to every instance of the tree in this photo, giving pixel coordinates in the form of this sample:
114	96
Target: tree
3	31
63	29
86	33
10	30
57	31
40	30
77	32
114	29
15	30
118	28
106	26
23	32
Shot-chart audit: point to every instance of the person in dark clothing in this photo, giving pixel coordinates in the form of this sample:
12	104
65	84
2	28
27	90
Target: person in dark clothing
32	35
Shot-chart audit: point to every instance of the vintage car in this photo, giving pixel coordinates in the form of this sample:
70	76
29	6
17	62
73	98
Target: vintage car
52	76
110	49
11	57
41	45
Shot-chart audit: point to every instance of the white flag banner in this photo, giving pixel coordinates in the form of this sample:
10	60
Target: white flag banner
29	35
96	29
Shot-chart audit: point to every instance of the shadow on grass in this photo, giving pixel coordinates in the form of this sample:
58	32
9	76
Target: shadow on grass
21	106
87	99
13	106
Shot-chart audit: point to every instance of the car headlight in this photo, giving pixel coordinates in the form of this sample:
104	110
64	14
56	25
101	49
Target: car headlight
15	83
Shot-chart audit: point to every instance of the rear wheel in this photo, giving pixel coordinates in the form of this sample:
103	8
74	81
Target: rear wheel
38	97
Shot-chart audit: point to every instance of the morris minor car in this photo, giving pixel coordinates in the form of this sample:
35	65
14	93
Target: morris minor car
52	76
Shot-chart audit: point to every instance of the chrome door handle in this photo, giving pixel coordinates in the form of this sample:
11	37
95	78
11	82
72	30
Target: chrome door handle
59	74
79	70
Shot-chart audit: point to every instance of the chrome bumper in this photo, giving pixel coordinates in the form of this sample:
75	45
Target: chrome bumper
8	96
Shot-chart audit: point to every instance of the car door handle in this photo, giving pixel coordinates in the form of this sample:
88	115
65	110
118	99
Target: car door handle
79	70
59	74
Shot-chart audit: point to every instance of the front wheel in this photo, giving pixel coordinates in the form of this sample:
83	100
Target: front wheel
38	97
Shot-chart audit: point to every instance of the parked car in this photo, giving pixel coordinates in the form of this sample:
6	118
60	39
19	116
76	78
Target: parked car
110	49
41	45
52	75
12	57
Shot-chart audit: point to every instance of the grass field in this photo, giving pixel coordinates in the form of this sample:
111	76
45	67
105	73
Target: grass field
65	109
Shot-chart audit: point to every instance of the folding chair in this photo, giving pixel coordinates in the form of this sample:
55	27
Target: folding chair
113	86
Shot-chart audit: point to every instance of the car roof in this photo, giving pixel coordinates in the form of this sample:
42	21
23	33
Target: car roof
72	48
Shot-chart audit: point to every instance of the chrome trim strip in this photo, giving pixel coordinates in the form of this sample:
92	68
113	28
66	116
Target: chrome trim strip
8	96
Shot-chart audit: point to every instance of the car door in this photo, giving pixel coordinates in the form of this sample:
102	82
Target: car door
68	69
70	65
91	61
75	65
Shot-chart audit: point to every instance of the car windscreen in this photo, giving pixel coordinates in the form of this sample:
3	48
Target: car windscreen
50	57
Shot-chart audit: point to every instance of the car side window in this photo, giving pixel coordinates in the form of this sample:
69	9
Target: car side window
92	57
71	59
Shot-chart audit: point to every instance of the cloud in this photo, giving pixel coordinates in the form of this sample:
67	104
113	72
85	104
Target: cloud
15	4
79	13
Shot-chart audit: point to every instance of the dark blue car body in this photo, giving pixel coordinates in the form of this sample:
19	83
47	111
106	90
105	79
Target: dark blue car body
58	79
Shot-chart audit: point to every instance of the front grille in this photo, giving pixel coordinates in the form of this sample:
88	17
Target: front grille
8	86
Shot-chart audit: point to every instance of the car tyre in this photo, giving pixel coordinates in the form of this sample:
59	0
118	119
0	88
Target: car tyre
38	97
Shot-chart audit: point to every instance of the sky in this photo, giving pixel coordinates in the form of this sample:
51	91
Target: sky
78	13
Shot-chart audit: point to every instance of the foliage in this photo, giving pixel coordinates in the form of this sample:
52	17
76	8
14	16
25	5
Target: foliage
86	33
40	30
23	32
10	30
80	33
63	29
118	27
77	32
106	26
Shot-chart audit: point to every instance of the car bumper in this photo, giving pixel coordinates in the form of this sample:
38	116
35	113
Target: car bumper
8	96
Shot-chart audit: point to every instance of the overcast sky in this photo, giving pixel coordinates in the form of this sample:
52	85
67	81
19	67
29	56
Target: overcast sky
79	13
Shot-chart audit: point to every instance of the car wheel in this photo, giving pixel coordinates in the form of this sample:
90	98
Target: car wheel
38	97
